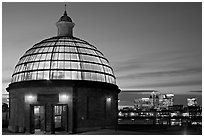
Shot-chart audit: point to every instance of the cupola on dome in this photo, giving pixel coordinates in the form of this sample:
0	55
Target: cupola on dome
65	18
63	57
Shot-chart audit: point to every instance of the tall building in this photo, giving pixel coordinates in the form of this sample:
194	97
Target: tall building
191	101
166	100
62	83
154	98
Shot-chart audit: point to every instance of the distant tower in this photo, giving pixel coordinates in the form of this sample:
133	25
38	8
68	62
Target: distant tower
154	98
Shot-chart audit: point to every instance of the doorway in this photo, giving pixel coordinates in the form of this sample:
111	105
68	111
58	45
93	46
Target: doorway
37	123
49	118
39	118
60	117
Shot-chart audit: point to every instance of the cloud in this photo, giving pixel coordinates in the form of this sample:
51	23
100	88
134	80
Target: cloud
176	59
139	91
159	74
196	91
167	84
126	65
180	72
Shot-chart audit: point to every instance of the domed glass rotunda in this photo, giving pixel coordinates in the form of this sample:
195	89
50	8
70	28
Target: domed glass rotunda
63	83
63	57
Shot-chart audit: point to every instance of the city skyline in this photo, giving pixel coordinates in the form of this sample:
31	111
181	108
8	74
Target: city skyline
157	46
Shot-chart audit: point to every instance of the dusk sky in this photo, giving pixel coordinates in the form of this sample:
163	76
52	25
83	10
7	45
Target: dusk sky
151	46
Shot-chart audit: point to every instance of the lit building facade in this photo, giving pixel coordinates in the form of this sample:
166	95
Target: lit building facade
191	101
62	83
155	101
166	100
143	103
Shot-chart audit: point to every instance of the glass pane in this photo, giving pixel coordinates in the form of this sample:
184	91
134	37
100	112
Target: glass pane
46	65
87	66
29	66
54	65
55	56
87	75
36	50
67	43
66	49
61	75
73	49
103	77
30	58
26	58
17	76
46	49
76	75
74	57
101	68
52	43
67	74
75	65
35	65
91	52
50	49
27	76
60	64
54	74
37	57
43	57
41	49
46	75
82	50
67	65
21	67
79	75
33	75
40	75
93	76
84	45
61	56
67	56
48	56
61	49
57	48
41	65
95	67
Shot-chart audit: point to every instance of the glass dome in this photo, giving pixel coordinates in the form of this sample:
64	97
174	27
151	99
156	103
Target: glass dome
63	58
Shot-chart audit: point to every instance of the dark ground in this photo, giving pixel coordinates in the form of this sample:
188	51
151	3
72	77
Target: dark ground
162	129
128	129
